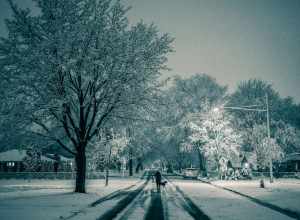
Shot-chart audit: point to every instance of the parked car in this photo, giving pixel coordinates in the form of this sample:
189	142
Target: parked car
190	173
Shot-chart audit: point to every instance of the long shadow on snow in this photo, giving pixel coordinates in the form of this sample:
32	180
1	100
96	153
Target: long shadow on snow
189	206
113	195
155	210
287	212
123	203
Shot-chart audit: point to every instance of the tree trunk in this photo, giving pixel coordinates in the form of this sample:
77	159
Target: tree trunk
139	165
200	160
179	166
130	167
106	176
202	165
107	167
137	168
81	169
130	163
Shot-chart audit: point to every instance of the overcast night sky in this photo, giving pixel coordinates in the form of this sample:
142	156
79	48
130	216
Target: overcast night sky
231	40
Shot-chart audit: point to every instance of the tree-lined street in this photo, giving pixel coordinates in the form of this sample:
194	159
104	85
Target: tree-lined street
95	123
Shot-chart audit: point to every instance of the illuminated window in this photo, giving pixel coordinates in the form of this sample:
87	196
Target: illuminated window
11	164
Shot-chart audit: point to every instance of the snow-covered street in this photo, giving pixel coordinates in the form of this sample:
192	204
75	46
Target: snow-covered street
138	199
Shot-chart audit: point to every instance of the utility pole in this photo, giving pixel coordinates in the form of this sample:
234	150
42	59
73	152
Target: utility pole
269	138
254	108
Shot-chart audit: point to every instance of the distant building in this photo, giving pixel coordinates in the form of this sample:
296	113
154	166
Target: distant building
243	160
291	163
13	161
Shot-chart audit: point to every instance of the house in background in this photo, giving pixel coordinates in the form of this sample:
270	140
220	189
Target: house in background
291	163
61	163
13	161
244	160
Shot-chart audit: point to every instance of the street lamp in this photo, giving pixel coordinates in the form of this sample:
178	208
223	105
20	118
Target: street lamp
254	108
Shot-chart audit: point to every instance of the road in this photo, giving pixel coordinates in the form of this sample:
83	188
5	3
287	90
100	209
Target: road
179	199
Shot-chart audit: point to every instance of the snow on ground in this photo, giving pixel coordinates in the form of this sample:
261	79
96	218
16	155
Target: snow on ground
54	199
284	193
220	204
139	206
51	199
175	210
27	188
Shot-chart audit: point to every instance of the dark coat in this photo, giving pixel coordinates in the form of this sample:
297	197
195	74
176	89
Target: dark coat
157	177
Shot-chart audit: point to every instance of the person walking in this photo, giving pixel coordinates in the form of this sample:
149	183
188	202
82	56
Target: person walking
157	180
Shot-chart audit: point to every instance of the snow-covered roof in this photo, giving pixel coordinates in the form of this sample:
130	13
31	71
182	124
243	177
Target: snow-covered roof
13	155
44	158
237	160
18	155
62	158
293	156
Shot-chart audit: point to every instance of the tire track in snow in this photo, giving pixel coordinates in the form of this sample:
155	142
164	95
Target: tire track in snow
149	204
155	210
187	204
115	194
137	208
123	203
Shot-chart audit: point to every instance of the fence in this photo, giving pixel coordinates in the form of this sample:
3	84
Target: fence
53	175
253	175
276	174
101	175
37	175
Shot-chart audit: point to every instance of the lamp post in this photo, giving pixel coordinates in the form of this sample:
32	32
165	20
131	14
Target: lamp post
254	108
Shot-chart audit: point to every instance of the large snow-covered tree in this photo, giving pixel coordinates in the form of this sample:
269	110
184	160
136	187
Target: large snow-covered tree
265	149
185	96
269	150
213	133
77	64
287	137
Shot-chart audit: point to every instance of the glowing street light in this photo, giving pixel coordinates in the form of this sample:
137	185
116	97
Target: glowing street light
216	109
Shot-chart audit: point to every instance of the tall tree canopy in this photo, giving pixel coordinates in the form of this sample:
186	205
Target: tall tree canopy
284	114
76	65
253	92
